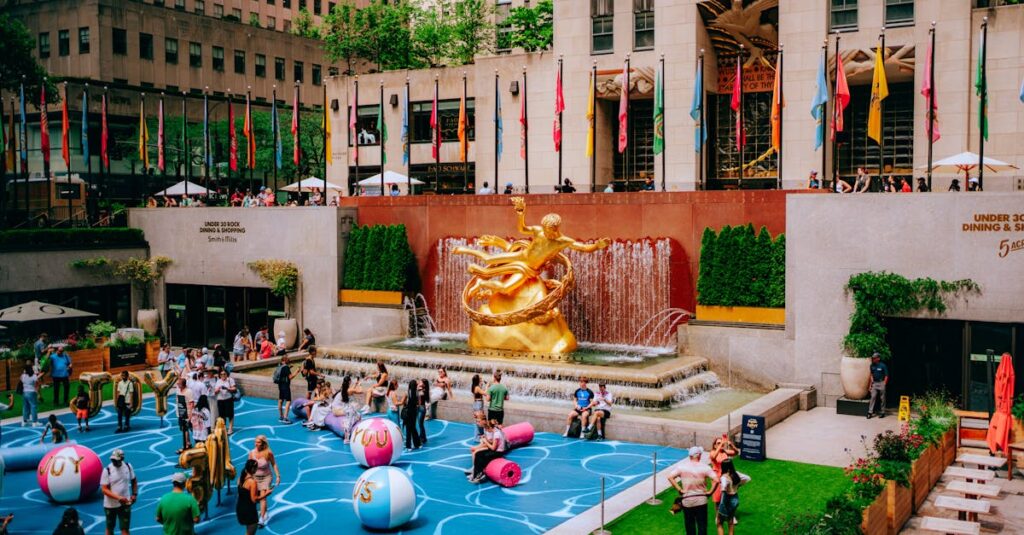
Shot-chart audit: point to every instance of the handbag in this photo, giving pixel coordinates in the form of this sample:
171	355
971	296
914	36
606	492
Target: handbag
236	396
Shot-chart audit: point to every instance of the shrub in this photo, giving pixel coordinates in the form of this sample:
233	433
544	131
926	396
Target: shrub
867	481
101	329
739	267
379	257
896	447
1018	408
282	276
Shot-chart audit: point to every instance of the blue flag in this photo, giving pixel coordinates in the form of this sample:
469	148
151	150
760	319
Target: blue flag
818	105
1022	90
405	128
85	127
499	127
23	134
208	156
697	110
277	134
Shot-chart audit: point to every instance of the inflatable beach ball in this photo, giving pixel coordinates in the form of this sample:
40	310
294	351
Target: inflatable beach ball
384	498
376	442
69	473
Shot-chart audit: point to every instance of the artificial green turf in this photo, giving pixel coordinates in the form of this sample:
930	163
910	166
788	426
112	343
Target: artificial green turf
46	397
775	488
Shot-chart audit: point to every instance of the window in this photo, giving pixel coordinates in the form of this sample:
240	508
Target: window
171	51
317	75
317	7
44	44
643	24
287	4
844	14
899	12
332	71
218	11
237	14
302	4
173	89
120	41
601	22
145	46
158	3
195	55
448	114
279	68
261	66
63	43
330	7
146	85
366	125
179	5
218	58
83	40
504	31
286	25
199	7
271	23
270	2
297	72
239	62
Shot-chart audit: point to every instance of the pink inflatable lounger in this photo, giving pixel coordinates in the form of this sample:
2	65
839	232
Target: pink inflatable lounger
503	471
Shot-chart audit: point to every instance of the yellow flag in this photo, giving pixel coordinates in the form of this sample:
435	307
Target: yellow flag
590	120
463	140
143	136
879	90
327	131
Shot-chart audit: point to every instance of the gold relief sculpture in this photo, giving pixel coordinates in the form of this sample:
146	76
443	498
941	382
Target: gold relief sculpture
519	306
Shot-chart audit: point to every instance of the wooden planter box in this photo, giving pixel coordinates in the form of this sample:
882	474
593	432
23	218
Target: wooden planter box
89	360
152	353
128	358
948	447
920	473
874	519
766	316
370	298
899	505
935	467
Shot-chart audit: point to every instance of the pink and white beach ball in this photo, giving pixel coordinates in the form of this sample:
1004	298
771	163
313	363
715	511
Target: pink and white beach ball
376	442
384	498
70	473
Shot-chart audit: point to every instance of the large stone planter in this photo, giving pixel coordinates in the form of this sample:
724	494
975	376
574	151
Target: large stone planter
854	374
149	320
758	315
898	506
874	518
370	298
290	328
919	479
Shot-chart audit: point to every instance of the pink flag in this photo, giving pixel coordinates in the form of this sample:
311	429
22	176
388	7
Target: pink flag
932	116
624	109
160	162
737	103
435	129
523	125
559	108
842	97
352	124
297	150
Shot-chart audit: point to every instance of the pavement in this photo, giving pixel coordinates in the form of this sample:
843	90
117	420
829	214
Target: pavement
820	436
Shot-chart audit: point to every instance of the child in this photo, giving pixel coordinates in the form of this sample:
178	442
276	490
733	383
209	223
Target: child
82	408
60	434
200	420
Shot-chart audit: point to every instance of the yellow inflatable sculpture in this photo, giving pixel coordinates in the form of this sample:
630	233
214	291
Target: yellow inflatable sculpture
94	382
211	466
161	387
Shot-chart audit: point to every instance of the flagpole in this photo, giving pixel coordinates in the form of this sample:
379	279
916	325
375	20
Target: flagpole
185	153
355	142
104	148
85	132
824	121
593	128
526	135
296	139
625	90
465	155
782	111
437	136
276	132
69	152
249	138
664	141
881	113
327	117
406	143
560	177
379	134
740	131
931	103
703	125
835	112
983	107
46	156
496	133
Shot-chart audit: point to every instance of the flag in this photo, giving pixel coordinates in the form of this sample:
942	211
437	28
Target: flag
161	163
624	109
11	148
104	135
435	128
736	103
981	89
405	128
4	136
85	127
1022	90
928	92
232	137
382	131
559	108
250	134
353	122
778	103
44	127
590	117
207	154
499	126
697	109
819	104
842	97
523	125
23	132
659	113
65	129
276	126
296	148
143	135
463	137
879	91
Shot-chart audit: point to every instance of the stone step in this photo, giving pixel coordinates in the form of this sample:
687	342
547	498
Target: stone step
969	473
973	489
949	525
963	504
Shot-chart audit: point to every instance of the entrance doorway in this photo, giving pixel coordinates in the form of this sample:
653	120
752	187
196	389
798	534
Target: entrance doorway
207	315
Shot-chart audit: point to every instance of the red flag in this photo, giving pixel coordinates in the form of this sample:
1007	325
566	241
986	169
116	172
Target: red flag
736	103
250	134
559	108
161	162
435	128
353	123
297	150
65	151
232	137
624	109
523	126
104	135
842	97
928	92
44	126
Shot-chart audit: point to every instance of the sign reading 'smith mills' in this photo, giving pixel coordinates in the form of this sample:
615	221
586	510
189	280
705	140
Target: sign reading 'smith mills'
127	356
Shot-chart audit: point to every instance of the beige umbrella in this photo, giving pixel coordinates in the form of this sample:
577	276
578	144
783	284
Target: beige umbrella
965	162
39	311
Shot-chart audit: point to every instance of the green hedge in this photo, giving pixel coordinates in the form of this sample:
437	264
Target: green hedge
741	268
378	257
69	236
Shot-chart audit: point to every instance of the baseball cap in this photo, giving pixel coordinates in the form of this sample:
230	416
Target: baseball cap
876	355
696	451
117	455
814	172
178	478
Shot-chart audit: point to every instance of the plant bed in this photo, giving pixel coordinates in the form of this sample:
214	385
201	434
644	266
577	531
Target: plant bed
919	479
88	360
126	357
898	506
874	518
948	447
727	314
370	298
935	466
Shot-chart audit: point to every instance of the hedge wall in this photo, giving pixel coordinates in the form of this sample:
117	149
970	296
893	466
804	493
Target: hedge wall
378	257
741	268
14	239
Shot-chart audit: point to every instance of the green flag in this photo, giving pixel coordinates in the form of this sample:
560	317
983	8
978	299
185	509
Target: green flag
382	127
981	89
659	113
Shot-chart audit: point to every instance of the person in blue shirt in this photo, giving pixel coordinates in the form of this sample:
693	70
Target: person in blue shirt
40	347
60	372
879	379
582	397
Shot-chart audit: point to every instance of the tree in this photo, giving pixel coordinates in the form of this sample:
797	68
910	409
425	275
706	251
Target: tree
18	64
472	30
303	25
342	37
532	28
386	31
431	35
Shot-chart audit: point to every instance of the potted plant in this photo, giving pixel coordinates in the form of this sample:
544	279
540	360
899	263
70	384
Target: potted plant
142	273
283	278
126	352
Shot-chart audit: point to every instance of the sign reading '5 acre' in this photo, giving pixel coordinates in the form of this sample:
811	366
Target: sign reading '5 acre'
999	222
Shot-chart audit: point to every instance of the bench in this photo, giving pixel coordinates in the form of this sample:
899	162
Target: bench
970	474
973	489
949	525
966	509
981	460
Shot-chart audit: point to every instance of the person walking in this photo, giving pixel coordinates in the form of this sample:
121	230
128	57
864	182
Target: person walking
224	391
497	394
409	414
184	400
120	491
308	371
177	511
265	463
423	401
39	348
60	372
878	380
729	484
283	377
125	396
29	397
691	478
249	495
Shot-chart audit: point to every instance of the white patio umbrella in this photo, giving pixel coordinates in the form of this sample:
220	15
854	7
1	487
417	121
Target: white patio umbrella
307	184
390	177
37	311
179	189
965	162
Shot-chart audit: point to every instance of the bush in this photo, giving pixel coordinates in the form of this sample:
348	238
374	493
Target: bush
896	447
378	257
282	276
1018	408
739	267
71	237
101	329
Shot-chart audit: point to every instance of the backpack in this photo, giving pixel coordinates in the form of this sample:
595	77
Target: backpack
278	374
575	428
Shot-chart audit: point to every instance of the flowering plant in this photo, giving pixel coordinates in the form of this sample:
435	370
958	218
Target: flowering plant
867	479
891	446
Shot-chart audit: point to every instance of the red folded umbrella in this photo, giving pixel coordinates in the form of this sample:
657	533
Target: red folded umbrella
999	427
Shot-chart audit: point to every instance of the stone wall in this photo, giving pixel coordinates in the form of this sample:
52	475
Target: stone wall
26	271
739	355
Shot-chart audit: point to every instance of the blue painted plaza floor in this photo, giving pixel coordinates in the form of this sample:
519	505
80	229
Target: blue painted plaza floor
561	477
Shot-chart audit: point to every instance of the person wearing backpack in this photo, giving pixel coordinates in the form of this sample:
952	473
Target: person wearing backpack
120	491
283	378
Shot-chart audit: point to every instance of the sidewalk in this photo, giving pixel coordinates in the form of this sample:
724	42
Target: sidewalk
820	436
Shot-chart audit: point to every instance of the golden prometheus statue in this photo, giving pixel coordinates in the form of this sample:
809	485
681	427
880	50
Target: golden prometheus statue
519	310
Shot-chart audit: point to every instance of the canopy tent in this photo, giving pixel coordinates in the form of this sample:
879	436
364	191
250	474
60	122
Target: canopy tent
390	177
39	311
178	190
998	436
965	162
307	185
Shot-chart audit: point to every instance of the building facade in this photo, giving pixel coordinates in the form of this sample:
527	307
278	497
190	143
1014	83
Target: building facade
604	33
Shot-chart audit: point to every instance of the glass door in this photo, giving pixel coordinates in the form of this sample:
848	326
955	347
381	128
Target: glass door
216	301
986	344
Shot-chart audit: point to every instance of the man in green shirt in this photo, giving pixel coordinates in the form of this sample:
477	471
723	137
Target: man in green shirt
497	393
177	510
